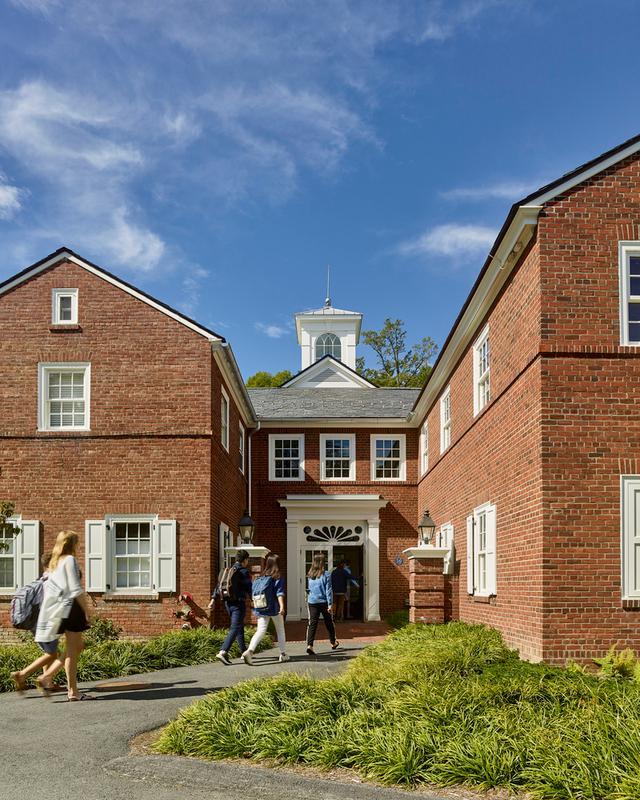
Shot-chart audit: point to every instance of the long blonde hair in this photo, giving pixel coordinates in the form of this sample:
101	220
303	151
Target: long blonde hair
66	543
317	567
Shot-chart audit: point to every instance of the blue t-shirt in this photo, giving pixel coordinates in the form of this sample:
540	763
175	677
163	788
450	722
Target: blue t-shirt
274	591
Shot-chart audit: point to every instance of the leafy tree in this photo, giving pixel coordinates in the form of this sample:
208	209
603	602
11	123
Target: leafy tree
397	364
265	380
7	529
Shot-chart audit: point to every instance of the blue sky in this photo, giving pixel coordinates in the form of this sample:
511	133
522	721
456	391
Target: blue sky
220	154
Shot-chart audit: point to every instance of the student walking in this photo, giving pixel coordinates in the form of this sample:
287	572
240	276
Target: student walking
64	609
341	578
268	603
50	649
319	602
234	587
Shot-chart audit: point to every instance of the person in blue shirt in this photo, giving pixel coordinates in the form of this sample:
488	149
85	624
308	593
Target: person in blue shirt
235	605
319	602
268	603
340	579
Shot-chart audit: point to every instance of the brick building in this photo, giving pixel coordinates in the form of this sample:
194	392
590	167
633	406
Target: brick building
123	418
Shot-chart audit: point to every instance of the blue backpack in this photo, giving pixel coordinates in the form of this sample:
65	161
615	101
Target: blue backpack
263	592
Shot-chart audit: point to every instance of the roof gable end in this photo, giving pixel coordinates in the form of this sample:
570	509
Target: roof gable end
315	376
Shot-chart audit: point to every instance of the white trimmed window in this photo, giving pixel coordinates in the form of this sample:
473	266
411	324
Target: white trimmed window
481	372
328	344
286	457
481	551
445	420
130	554
337	457
19	555
241	446
444	536
64	306
630	526
225	540
224	419
388	458
629	257
64	391
424	448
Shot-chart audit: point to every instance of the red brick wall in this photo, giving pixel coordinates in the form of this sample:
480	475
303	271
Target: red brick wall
496	457
398	519
591	431
149	449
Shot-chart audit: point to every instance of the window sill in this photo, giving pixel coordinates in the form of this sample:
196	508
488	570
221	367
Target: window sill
483	598
7	594
62	328
631	605
110	597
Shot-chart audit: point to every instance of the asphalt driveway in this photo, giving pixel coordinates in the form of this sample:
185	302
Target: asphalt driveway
80	751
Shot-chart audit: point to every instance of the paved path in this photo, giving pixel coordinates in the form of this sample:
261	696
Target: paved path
79	751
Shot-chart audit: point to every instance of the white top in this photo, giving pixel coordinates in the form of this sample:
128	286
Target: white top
60	589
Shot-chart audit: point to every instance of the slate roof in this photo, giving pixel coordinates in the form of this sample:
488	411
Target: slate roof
294	403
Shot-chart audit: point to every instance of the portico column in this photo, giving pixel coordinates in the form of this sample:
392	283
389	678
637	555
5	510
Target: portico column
372	595
293	568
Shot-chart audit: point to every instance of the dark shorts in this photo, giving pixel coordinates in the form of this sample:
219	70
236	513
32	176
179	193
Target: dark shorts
76	622
50	648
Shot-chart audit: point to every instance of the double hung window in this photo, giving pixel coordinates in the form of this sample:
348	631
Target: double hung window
19	554
481	551
424	448
224	419
241	446
286	458
388	461
629	253
481	372
337	457
64	306
630	511
64	392
445	420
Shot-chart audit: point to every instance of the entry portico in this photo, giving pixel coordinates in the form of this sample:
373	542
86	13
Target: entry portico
323	522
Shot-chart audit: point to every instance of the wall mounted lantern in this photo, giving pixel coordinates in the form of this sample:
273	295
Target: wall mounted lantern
246	526
426	529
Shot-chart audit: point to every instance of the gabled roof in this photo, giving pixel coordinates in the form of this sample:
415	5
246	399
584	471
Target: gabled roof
327	311
502	258
65	254
336	404
344	374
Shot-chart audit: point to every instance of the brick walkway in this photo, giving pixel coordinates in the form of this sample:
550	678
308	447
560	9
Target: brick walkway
347	631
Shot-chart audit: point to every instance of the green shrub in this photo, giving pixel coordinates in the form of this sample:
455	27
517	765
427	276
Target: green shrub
117	658
443	705
617	663
102	630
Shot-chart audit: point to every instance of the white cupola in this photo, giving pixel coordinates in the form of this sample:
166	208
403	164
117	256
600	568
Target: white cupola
328	331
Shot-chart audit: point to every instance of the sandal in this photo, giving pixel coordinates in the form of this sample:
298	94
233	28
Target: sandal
79	698
19	682
44	690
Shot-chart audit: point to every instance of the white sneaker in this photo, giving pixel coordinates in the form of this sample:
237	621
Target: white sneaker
247	657
222	656
283	658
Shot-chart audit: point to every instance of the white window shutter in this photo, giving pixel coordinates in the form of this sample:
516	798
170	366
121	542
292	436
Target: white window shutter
491	550
28	552
164	555
470	554
96	556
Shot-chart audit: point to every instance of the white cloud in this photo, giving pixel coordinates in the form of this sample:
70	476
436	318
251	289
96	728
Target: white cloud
272	331
443	21
10	199
131	244
452	241
496	191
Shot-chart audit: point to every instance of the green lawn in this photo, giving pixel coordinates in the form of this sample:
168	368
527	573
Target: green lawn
113	659
439	705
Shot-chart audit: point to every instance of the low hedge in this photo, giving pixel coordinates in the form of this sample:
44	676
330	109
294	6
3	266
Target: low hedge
114	659
439	705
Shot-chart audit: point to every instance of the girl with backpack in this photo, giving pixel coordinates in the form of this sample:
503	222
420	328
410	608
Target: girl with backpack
268	603
319	601
64	609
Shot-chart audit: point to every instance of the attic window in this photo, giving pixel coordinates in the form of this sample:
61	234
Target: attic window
64	307
328	344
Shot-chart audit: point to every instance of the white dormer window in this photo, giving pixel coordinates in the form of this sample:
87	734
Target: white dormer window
328	344
64	307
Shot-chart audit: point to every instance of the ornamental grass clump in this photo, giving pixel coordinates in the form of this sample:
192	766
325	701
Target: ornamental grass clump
439	705
121	657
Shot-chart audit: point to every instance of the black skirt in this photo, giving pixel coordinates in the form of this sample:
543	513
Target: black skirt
76	622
